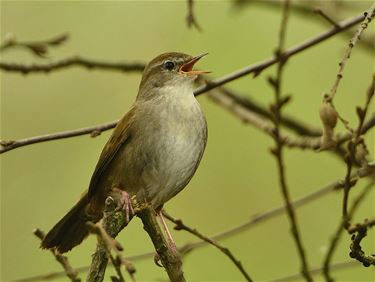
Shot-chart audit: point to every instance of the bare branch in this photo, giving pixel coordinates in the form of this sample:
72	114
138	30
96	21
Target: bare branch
251	113
170	260
368	16
38	48
63	260
114	220
315	271
190	18
257	68
279	142
320	12
181	226
307	11
70	62
290	122
94	131
356	145
359	231
327	266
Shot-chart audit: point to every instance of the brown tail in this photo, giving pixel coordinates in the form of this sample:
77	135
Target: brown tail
71	229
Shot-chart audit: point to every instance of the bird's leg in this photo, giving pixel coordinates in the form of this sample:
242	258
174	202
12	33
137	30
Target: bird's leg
125	204
171	242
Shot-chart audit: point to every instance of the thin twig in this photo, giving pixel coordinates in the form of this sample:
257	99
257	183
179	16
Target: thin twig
315	271
327	266
63	260
257	68
94	131
181	226
70	62
252	114
190	18
307	11
289	122
359	231
320	12
368	16
38	48
279	142
357	143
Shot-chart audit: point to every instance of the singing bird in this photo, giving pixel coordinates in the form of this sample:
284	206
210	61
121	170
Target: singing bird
152	153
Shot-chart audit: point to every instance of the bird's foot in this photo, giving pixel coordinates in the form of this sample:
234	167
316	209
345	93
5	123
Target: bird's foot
125	204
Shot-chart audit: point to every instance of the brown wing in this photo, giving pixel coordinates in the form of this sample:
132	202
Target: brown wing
119	137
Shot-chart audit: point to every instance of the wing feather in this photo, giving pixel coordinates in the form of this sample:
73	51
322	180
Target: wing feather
119	137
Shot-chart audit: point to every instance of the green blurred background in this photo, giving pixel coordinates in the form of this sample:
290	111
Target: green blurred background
237	177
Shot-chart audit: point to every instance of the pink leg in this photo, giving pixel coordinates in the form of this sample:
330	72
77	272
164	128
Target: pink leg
171	242
126	204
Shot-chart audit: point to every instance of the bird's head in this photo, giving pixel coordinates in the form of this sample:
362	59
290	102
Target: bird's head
169	70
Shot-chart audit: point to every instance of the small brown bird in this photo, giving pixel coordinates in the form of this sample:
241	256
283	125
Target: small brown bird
152	153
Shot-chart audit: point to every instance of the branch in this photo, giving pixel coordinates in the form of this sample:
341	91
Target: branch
190	18
63	260
279	142
114	220
251	113
170	260
257	68
307	11
94	131
339	231
368	16
315	271
38	48
357	150
320	12
289	122
70	62
359	231
181	226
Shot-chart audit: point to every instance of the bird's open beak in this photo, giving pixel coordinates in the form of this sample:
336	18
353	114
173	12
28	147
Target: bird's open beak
187	68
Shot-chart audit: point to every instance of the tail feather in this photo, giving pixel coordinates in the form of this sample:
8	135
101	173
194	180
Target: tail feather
71	229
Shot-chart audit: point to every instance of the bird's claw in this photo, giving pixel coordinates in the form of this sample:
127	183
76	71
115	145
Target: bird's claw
126	205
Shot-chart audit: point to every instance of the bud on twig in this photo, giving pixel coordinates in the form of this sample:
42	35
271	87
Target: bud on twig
328	116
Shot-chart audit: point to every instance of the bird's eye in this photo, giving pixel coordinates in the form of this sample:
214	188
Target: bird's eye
169	65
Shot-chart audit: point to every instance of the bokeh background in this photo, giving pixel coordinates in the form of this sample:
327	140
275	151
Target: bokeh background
237	177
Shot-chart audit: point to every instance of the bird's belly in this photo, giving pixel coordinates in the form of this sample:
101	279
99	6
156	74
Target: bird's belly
166	158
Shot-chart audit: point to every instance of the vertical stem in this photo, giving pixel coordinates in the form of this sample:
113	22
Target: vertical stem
278	151
170	260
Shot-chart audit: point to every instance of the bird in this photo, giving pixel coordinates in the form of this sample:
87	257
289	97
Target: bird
152	153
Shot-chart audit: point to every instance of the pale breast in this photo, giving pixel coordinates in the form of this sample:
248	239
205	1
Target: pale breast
170	140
